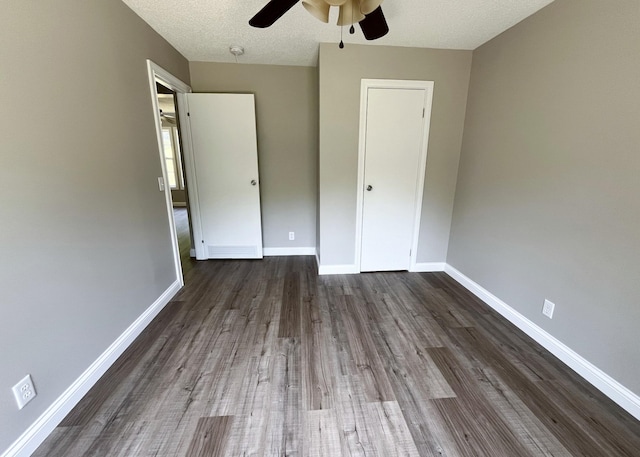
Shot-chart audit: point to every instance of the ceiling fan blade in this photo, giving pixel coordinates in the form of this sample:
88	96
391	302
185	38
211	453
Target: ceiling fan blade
271	12
374	25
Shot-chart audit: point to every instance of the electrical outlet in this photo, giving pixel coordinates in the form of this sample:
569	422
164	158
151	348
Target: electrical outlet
547	309
292	236
24	391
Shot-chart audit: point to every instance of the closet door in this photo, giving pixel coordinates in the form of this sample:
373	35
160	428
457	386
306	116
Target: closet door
223	134
392	190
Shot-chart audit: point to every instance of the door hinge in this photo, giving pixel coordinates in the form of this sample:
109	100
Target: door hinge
189	114
423	109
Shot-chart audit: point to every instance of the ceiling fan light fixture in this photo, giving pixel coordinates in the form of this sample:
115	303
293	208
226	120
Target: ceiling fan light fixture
369	6
367	13
350	13
318	9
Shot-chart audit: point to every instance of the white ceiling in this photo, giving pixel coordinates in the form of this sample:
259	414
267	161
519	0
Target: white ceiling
203	30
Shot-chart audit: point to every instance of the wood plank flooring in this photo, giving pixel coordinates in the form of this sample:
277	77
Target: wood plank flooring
266	358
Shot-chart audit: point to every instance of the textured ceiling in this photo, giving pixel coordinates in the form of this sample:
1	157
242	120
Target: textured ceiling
203	30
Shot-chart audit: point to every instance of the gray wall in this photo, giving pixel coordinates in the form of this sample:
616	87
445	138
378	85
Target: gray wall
547	202
85	243
341	71
287	127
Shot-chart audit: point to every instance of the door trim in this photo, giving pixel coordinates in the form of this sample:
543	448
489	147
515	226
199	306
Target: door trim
190	171
365	85
157	73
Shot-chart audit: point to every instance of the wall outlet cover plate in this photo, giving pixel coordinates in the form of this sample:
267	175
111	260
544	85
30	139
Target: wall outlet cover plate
547	308
24	391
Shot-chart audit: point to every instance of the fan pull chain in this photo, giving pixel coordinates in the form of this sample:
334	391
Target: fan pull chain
341	45
352	29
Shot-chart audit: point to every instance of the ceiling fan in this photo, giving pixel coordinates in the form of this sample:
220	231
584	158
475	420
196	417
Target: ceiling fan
367	13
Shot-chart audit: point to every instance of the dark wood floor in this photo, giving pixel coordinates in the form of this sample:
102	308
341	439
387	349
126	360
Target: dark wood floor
265	358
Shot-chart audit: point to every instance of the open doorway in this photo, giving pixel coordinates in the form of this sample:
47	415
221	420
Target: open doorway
175	176
171	91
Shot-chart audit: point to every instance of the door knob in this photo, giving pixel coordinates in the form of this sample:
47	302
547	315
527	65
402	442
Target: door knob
254	182
369	188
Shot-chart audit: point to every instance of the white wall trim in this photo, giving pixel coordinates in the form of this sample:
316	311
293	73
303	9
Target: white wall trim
338	269
427	267
268	252
624	397
33	437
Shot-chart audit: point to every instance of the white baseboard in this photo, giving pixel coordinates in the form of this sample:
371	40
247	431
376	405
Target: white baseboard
624	397
269	252
351	269
428	267
192	253
49	420
337	270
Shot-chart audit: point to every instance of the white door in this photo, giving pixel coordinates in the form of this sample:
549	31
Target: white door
393	171
225	156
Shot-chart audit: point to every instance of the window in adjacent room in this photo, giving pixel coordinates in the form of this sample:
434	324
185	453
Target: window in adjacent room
172	157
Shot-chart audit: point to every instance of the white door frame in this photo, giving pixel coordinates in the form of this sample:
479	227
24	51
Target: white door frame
158	74
365	85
